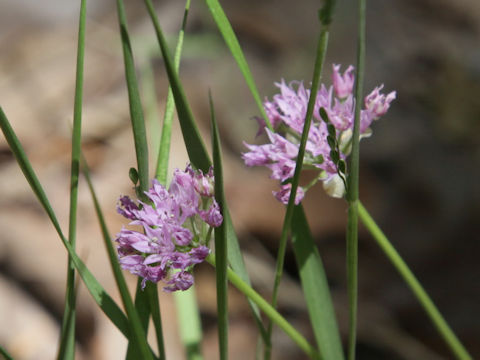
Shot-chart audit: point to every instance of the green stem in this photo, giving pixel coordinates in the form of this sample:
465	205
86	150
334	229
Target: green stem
269	311
352	195
321	52
154	304
190	327
437	319
67	344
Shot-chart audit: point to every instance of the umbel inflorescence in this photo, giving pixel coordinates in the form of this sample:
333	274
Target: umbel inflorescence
329	138
177	225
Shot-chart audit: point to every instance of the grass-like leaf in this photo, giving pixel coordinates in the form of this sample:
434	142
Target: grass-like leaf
67	335
136	111
100	296
141	148
221	254
232	42
199	156
136	329
164	150
195	147
315	288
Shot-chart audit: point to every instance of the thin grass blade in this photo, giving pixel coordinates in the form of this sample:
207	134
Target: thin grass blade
136	329
164	150
315	288
136	111
195	147
221	255
101	297
141	148
232	42
67	336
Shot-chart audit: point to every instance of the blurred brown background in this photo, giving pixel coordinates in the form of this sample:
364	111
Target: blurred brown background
419	172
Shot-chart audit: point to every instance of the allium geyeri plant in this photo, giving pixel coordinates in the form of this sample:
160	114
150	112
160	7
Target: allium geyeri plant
170	228
177	225
330	136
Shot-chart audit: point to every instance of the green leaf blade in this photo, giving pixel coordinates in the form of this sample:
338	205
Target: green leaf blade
136	329
231	40
67	336
141	148
195	147
315	287
221	245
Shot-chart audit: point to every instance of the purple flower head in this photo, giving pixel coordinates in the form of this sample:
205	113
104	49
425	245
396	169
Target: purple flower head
329	140
343	85
172	220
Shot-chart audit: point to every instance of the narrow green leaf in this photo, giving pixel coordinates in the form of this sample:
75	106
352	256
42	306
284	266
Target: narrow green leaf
136	326
315	288
199	157
5	354
156	318
232	42
136	111
195	147
141	148
164	150
101	297
221	254
67	335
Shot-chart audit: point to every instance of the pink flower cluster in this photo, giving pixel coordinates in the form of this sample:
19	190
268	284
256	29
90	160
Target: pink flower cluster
174	222
325	148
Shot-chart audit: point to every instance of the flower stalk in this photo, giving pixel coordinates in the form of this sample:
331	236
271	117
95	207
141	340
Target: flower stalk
435	316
